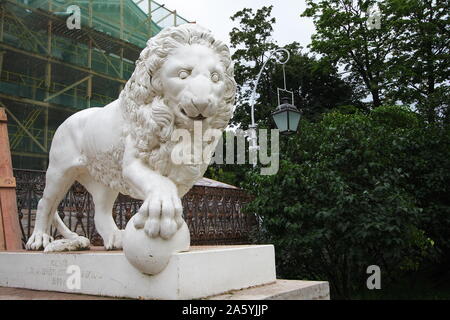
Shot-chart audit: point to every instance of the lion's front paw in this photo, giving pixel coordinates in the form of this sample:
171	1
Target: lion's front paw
114	241
160	215
38	241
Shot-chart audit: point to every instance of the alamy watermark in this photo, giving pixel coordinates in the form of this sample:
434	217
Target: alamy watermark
74	20
207	147
374	281
374	17
73	281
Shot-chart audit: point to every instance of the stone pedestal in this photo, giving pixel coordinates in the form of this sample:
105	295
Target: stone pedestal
199	273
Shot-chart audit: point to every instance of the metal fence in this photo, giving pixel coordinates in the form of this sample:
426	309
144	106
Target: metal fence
214	215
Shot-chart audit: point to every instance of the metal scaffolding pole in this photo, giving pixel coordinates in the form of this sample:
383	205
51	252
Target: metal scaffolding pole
41	62
90	57
121	20
106	57
24	128
2	22
150	18
67	88
36	41
89	87
37	102
121	69
28	123
75	67
90	13
89	91
48	75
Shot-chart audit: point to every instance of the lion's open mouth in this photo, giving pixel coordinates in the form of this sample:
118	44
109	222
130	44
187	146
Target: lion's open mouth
200	117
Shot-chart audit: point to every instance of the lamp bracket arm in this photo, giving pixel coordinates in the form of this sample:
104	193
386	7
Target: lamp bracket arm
272	54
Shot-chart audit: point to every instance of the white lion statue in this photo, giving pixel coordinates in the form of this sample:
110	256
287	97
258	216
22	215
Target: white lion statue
183	76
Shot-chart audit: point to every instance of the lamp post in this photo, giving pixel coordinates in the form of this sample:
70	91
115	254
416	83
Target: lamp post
286	116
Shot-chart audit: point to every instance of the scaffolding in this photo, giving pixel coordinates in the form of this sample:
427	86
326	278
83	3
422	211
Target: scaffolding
48	71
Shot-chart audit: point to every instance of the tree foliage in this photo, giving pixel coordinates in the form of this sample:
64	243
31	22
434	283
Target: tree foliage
406	59
355	190
343	37
421	55
252	41
358	185
316	84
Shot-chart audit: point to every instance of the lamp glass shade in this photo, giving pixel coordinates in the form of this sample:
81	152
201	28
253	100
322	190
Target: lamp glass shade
287	119
281	121
294	119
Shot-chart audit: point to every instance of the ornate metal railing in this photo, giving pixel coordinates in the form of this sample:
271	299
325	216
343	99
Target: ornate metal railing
214	215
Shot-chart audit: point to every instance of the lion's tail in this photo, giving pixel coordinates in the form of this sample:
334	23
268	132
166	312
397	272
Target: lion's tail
62	228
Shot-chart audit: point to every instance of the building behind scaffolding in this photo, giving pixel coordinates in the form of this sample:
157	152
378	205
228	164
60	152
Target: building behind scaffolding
48	71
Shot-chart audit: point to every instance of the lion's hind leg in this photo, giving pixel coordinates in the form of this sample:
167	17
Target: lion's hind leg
58	183
71	241
104	198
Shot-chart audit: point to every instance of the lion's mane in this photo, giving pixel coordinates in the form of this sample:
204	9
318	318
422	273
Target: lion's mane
150	121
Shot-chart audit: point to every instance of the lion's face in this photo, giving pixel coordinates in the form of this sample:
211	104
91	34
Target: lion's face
193	83
184	75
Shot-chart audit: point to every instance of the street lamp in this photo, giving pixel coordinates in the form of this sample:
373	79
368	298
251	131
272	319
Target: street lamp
286	116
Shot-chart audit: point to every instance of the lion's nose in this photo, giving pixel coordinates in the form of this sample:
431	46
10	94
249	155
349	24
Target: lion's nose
201	104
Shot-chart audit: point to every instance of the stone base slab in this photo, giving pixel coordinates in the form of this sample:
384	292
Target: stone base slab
201	272
280	290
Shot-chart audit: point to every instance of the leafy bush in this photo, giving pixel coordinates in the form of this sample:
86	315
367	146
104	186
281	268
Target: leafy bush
356	190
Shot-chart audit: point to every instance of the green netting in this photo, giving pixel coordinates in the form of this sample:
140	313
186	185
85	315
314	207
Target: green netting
123	20
107	18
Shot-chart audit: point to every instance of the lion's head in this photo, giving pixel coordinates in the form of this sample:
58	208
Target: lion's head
183	75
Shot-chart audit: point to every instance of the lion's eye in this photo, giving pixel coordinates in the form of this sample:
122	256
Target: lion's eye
215	77
183	74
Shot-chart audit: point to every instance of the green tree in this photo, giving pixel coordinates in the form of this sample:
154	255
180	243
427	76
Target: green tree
421	55
316	84
406	59
252	41
343	37
355	190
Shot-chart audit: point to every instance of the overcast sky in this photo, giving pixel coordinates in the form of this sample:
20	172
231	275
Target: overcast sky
215	15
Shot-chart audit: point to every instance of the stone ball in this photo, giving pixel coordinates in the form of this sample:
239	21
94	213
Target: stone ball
151	255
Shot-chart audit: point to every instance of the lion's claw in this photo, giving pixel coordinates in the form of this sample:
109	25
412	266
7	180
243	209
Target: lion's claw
114	240
168	228
140	219
160	215
38	241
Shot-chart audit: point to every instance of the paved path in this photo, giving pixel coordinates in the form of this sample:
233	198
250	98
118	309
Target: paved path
26	294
